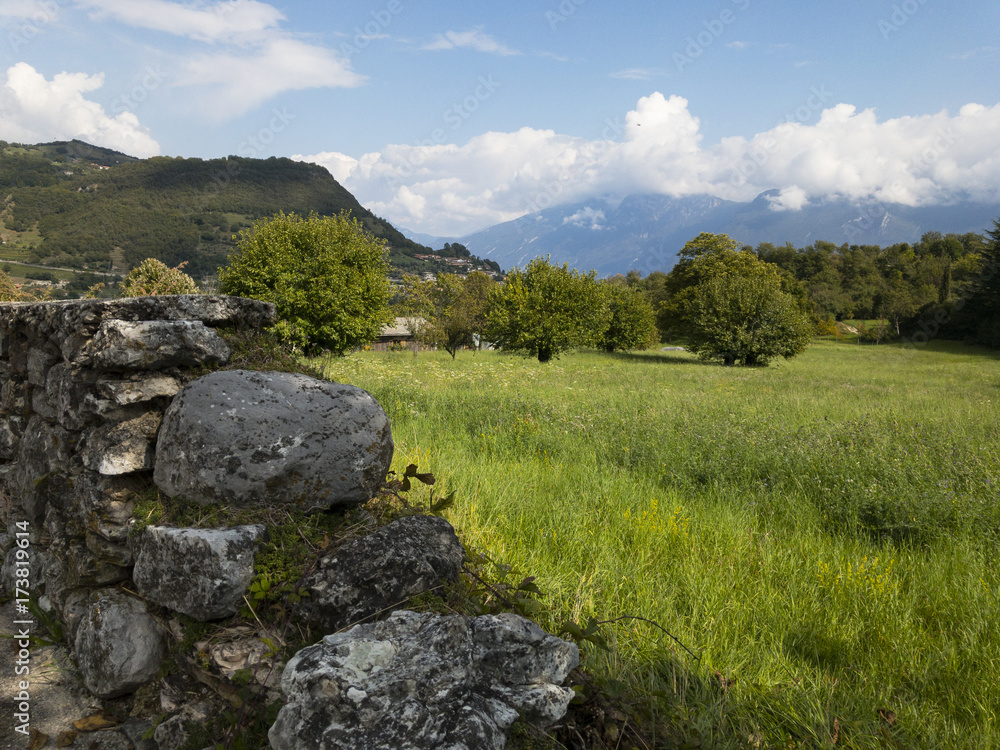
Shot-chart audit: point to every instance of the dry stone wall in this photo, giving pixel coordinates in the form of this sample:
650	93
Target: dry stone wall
100	399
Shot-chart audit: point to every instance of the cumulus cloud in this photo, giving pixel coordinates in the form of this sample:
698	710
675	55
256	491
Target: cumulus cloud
35	10
474	39
588	218
452	189
33	109
791	198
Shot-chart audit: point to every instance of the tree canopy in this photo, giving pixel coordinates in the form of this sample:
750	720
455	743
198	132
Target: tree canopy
543	310
326	275
732	306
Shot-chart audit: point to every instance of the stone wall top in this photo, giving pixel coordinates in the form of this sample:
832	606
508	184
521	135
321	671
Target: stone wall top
84	317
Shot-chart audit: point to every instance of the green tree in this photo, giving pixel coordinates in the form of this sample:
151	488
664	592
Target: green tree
543	310
633	322
153	277
745	320
451	318
731	305
326	276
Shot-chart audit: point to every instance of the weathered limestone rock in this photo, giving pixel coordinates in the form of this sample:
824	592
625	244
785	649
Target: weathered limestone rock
138	389
121	345
369	576
202	573
124	447
247	438
419	681
118	645
43	455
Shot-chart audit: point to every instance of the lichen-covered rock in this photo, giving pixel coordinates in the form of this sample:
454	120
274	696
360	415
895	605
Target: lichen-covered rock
423	681
249	438
42	462
368	577
118	645
202	573
121	345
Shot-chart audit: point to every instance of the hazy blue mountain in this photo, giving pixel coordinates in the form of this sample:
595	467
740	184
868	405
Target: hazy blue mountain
644	232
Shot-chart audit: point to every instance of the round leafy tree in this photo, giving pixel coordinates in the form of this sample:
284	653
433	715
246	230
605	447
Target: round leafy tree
153	277
326	276
731	305
633	322
545	309
745	320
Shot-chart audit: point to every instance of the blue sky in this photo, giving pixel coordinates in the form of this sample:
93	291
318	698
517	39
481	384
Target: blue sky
449	117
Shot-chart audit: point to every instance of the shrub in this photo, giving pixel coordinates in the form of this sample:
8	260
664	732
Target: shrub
153	277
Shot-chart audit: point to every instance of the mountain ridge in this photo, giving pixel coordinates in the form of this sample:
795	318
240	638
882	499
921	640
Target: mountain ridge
644	231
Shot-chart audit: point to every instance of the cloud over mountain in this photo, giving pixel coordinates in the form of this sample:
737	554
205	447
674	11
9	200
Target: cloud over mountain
33	109
449	189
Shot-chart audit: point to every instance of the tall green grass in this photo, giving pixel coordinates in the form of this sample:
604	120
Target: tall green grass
823	534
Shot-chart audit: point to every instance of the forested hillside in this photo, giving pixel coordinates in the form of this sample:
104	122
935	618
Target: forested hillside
83	207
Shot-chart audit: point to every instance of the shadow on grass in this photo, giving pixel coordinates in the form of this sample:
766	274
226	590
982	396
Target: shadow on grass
659	357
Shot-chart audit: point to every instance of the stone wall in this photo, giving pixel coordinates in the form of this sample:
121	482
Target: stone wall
85	386
102	399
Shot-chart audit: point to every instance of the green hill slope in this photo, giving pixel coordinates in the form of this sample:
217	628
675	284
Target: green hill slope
74	205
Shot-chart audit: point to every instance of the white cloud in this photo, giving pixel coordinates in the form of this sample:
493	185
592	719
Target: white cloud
790	198
635	74
239	81
588	218
39	11
499	176
227	20
251	58
33	109
738	45
473	39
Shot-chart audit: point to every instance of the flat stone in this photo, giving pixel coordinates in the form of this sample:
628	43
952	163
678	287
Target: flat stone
121	345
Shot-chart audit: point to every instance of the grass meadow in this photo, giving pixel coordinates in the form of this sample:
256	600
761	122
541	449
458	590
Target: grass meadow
823	534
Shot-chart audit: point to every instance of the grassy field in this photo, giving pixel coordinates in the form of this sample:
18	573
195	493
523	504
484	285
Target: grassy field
824	534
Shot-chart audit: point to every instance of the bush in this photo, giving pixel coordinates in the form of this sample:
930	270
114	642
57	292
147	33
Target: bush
153	277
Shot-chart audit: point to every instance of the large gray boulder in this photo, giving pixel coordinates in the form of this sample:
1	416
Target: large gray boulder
423	681
118	645
259	438
202	573
372	575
